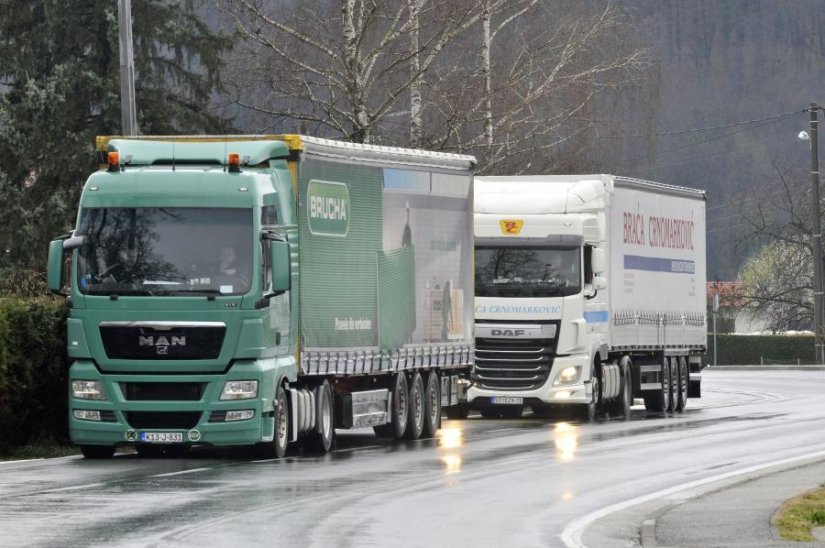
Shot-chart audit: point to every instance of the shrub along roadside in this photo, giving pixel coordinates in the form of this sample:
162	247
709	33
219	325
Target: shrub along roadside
33	372
756	349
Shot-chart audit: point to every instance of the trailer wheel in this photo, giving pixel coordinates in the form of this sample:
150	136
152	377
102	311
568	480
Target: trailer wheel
322	438
674	384
97	451
416	418
659	401
684	380
398	414
432	406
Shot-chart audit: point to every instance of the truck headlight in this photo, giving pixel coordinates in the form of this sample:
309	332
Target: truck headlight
239	390
568	375
88	390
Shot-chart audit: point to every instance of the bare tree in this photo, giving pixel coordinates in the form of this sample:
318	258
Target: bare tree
778	276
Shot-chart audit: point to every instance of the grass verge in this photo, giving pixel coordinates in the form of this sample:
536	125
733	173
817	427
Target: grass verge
40	451
797	516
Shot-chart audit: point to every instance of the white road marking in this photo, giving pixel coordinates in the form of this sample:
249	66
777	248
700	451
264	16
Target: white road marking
572	534
191	471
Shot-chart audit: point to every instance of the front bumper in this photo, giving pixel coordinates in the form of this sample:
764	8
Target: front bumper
205	426
579	392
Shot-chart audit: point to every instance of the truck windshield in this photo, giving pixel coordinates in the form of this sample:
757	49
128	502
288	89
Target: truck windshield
509	271
165	251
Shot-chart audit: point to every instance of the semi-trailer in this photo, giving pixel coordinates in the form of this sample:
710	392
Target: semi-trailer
590	292
263	290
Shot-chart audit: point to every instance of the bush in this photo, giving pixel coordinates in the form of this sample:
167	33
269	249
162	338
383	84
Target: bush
33	372
758	349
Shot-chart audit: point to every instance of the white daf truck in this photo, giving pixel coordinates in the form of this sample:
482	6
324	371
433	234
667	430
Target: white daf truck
590	292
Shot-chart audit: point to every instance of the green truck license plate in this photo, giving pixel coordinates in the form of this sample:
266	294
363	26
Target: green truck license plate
508	400
161	437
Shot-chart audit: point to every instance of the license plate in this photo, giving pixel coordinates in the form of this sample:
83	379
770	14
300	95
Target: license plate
161	437
508	400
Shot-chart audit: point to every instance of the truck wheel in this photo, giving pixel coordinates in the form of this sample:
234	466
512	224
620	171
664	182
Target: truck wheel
621	407
658	401
683	380
432	406
415	420
457	412
322	438
277	447
585	413
511	411
97	451
398	414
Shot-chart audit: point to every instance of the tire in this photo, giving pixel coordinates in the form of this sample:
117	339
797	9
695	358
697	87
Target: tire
280	439
585	413
683	380
695	389
658	401
97	451
432	405
674	384
621	407
415	414
322	438
398	414
489	412
511	411
458	412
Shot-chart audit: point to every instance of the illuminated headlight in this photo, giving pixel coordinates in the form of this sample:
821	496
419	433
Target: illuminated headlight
568	375
88	390
86	415
239	415
239	390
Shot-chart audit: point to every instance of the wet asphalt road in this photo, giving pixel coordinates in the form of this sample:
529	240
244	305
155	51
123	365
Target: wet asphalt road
525	482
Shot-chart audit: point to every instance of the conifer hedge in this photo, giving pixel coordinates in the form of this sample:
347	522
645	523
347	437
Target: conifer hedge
33	372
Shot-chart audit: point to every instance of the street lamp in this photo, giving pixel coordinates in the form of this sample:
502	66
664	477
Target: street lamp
816	232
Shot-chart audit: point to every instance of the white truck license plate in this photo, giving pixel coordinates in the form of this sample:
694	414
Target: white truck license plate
507	400
161	437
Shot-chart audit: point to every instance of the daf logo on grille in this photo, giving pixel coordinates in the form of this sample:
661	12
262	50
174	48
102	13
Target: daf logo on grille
507	332
161	343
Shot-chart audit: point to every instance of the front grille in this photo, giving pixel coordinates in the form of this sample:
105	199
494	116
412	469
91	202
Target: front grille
513	364
162	420
143	342
107	416
162	391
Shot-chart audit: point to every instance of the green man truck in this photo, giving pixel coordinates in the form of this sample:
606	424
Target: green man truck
264	290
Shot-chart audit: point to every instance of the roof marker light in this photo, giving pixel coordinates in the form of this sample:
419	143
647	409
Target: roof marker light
114	161
234	162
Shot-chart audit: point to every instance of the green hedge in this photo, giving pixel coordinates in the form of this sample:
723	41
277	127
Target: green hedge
33	372
758	349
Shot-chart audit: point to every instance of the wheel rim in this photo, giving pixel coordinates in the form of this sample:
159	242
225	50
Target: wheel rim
683	380
591	411
666	384
401	404
434	404
282	423
418	405
326	418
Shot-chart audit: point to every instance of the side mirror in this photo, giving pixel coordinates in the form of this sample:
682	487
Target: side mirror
599	283
281	266
54	275
597	260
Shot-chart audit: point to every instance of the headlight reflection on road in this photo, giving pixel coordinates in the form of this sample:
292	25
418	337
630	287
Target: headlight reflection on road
566	440
450	440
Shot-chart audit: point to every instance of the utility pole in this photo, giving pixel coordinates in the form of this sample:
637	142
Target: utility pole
816	233
128	112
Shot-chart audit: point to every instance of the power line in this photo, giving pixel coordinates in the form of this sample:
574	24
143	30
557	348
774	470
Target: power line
722	126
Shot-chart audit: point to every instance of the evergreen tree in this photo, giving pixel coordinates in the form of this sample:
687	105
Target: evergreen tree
60	87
